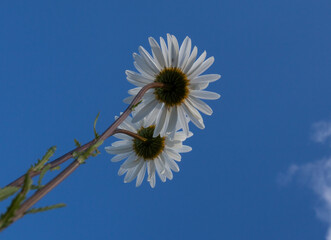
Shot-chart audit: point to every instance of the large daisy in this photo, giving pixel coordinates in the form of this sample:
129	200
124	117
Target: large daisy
156	154
170	108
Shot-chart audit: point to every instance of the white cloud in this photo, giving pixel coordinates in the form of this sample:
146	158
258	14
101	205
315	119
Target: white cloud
321	131
316	175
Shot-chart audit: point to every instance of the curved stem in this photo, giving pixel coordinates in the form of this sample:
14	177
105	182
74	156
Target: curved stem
75	164
19	181
131	134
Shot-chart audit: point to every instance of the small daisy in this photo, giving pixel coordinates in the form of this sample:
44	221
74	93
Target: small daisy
170	108
156	153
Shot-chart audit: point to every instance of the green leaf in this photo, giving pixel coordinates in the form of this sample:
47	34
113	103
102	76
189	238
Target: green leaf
6	218
42	174
7	192
43	209
36	187
94	125
40	164
92	150
55	168
134	106
77	143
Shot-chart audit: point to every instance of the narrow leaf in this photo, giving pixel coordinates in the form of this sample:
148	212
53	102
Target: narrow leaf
77	143
43	209
40	164
6	218
7	192
55	168
94	125
42	174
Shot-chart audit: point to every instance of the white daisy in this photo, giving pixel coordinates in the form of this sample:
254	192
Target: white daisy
177	67
156	153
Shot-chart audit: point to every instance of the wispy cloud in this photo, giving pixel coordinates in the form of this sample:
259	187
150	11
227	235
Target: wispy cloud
321	131
316	175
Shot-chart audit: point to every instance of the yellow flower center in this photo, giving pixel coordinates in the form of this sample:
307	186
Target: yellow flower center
152	147
176	86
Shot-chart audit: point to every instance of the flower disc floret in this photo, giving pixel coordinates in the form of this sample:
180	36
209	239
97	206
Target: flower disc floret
152	147
176	86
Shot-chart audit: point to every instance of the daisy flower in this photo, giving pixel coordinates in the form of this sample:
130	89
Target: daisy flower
156	154
170	108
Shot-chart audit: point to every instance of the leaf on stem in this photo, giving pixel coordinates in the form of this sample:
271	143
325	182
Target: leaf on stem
94	125
42	174
77	143
6	218
41	163
7	192
46	208
134	106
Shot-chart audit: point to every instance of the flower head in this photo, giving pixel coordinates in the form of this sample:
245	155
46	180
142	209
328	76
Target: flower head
155	154
171	107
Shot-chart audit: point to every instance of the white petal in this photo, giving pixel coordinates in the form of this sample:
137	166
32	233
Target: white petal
180	136
184	52
190	60
145	72
121	171
207	78
166	122
184	149
160	169
182	120
118	150
131	75
136	83
198	86
200	105
173	143
172	121
172	164
131	162
169	40
197	63
173	154
134	91
175	50
194	115
164	51
122	136
135	172
151	173
167	172
157	52
120	143
128	175
149	60
152	181
141	174
140	61
128	100
145	110
202	68
120	157
151	117
205	94
160	120
128	125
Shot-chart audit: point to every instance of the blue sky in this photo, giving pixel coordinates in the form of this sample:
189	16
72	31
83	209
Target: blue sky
62	62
